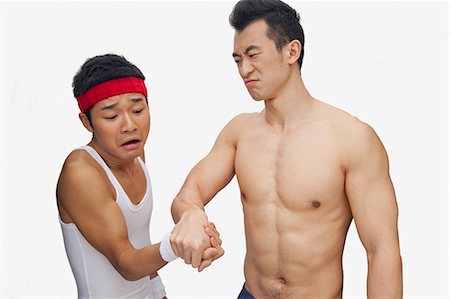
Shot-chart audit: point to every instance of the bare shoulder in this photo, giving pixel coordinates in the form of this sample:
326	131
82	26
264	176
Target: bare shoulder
235	126
241	121
346	126
80	175
79	162
357	139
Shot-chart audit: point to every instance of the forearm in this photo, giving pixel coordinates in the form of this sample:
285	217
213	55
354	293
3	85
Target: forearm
135	264
189	198
384	276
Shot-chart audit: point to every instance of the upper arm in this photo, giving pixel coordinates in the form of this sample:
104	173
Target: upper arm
92	207
216	170
370	191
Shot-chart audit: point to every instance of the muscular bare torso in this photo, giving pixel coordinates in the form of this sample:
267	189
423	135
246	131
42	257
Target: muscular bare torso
292	184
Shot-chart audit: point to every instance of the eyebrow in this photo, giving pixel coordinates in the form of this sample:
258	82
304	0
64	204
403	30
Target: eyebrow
112	106
249	48
135	100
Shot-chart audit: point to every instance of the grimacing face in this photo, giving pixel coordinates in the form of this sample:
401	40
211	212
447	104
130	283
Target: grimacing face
263	68
121	125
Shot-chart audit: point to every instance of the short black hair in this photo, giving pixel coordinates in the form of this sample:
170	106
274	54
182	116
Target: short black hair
102	68
283	21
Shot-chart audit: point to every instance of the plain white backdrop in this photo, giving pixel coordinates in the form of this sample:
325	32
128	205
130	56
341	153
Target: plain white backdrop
384	62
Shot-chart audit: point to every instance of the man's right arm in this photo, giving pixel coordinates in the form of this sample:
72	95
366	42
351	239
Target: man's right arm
90	205
204	181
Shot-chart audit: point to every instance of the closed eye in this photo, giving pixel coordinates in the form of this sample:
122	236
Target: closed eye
138	111
111	117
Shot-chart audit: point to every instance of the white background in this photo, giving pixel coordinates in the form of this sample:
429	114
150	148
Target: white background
384	62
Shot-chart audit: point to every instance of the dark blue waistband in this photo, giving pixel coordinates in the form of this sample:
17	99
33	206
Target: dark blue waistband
244	294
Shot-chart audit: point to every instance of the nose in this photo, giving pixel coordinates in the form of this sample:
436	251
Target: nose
128	124
246	68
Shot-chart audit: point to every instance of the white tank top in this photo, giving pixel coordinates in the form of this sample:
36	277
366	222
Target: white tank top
94	274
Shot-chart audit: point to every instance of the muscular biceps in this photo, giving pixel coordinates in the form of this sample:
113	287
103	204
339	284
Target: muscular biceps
210	175
369	190
373	204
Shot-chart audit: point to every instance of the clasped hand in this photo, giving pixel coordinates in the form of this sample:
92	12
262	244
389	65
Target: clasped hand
196	240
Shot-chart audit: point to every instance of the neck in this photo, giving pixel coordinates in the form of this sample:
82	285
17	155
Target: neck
290	106
113	162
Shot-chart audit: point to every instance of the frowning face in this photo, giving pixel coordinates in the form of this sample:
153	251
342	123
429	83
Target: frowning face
263	68
120	126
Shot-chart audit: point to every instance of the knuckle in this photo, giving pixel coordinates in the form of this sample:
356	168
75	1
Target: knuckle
186	244
197	247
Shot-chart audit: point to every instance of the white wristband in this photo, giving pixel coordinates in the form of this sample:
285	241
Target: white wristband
165	249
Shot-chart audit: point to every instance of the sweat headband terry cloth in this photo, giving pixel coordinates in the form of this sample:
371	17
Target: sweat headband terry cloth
108	89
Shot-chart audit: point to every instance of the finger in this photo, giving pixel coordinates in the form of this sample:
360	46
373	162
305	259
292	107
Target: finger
187	256
212	226
181	251
204	264
219	240
209	253
196	258
187	260
219	253
212	233
214	242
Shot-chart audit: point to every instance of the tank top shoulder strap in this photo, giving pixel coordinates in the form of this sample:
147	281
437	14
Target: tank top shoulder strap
147	179
105	167
145	170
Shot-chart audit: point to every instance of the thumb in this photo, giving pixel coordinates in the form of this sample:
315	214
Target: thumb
209	253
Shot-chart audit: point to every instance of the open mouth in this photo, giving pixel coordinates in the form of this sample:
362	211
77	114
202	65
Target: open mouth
134	141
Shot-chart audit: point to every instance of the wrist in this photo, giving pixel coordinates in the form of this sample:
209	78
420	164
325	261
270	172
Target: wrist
195	212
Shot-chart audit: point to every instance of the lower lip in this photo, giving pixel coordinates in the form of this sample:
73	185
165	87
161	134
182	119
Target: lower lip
249	83
131	146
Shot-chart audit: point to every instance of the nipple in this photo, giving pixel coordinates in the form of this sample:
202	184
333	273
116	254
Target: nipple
315	203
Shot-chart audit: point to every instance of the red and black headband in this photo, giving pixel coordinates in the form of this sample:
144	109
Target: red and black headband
108	89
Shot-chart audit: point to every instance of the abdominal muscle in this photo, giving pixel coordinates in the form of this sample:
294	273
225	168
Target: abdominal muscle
294	253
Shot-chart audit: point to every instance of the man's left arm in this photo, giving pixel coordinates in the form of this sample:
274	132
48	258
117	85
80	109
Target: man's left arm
373	204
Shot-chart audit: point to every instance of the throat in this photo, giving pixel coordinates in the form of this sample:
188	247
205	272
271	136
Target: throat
128	172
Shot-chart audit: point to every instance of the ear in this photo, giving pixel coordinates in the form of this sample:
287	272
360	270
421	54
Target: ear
294	48
85	121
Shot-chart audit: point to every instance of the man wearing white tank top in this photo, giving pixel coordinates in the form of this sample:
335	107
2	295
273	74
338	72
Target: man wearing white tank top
104	192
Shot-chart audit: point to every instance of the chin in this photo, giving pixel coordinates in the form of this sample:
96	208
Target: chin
127	154
256	97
